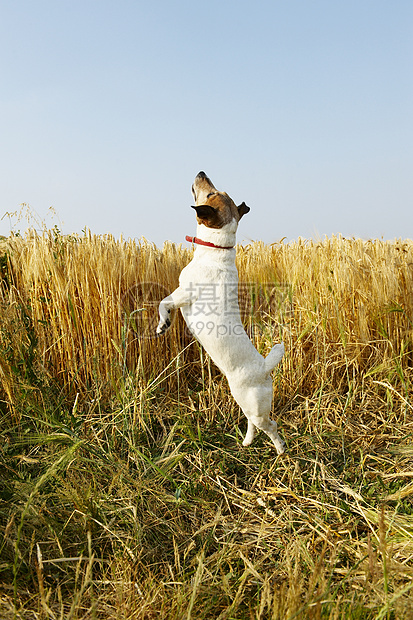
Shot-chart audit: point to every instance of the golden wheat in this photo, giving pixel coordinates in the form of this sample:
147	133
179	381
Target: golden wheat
342	306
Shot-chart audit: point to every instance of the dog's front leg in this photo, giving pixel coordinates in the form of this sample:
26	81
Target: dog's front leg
180	297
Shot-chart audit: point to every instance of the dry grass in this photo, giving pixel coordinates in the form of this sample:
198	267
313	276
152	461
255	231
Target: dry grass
126	492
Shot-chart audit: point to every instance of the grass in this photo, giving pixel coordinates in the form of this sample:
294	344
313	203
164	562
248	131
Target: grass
125	490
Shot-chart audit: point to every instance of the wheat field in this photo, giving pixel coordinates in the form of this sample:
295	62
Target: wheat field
125	490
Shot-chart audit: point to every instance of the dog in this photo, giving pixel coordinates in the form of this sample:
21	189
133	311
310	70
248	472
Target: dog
207	296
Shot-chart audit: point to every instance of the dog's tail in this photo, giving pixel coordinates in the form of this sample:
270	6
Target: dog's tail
274	357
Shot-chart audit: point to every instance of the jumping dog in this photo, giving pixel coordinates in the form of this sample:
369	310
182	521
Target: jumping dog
208	298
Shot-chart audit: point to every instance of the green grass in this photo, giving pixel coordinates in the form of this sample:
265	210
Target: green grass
174	518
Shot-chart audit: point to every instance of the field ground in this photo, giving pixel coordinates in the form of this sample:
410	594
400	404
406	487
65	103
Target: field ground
125	491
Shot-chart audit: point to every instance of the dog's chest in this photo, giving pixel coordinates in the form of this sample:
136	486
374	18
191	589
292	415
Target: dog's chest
213	285
205	268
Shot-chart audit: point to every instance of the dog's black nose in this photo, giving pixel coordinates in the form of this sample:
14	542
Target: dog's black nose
201	175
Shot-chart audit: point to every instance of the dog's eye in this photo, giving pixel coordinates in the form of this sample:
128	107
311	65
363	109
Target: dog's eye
211	194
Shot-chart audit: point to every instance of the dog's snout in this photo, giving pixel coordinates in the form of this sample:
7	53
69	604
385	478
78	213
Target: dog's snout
202	188
202	180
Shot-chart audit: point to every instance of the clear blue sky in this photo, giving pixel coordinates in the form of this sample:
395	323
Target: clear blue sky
301	108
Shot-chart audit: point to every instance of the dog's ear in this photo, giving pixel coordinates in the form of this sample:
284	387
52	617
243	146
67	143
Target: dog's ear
243	209
208	216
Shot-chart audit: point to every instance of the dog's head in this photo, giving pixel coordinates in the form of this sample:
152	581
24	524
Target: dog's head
214	209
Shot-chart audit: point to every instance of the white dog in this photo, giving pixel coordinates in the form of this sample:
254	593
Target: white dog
208	298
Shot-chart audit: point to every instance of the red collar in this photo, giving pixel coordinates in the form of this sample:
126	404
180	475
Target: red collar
209	245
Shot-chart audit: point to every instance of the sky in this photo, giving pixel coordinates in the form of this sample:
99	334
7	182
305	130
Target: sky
301	108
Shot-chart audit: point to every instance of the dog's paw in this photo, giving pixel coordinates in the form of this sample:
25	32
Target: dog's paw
163	326
276	439
164	319
249	437
280	446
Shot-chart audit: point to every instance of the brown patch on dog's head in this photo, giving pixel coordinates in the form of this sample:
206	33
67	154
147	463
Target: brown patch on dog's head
214	209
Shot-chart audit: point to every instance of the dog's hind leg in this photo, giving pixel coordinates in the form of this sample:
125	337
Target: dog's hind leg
255	403
269	427
274	436
251	431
